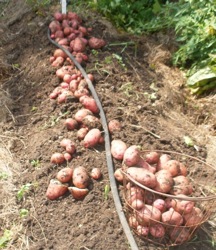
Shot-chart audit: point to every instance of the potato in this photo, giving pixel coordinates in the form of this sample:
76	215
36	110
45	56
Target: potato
131	156
164	158
57	158
65	175
157	230
91	121
92	138
183	169
195	217
182	206
71	124
96	173
142	230
152	157
137	204
56	189
160	204
118	148
80	114
81	177
143	164
179	235
142	176
96	43
148	215
173	167
181	186
89	103
78	193
171	217
132	221
134	193
119	175
114	126
164	181
78	45
81	133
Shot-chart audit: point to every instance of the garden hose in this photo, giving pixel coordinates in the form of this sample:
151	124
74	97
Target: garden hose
110	165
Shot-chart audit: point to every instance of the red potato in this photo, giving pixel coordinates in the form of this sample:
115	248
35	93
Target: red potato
70	148
71	124
195	217
149	197
182	206
56	189
65	23
142	230
118	148
54	26
181	185
160	204
143	164
63	41
132	221
173	167
81	92
180	235
171	217
148	215
119	175
96	173
73	16
58	62
164	181
65	175
64	85
91	121
157	230
68	30
91	77
137	204
142	176
131	156
80	114
164	158
134	193
83	30
152	157
114	126
64	96
58	16
78	193
64	142
57	158
59	53
78	45
81	178
81	133
67	78
89	103
69	69
59	34
183	169
73	85
96	43
67	156
92	138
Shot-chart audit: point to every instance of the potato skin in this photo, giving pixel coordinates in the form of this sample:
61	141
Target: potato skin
81	177
164	181
143	176
118	148
56	189
181	186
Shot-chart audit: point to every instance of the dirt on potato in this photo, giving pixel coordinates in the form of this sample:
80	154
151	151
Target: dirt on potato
136	84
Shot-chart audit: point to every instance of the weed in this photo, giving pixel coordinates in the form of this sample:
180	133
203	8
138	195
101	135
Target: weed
3	176
106	191
23	191
23	212
35	163
5	238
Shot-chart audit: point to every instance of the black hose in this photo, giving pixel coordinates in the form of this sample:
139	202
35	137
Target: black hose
110	165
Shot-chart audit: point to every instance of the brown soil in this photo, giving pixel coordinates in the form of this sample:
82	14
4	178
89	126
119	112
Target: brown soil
136	85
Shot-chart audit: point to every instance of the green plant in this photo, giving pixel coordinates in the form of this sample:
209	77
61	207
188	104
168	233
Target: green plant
23	212
3	176
106	191
39	6
35	163
5	238
23	190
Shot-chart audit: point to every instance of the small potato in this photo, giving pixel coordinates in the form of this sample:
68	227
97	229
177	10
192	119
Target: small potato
92	138
148	215
96	173
157	230
173	167
143	176
180	235
114	126
152	157
164	158
71	124
132	221
171	217
81	177
194	218
118	148
80	114
137	204
134	193
65	175
160	204
57	158
142	230
91	121
56	189
182	206
89	103
164	181
131	156
118	175
78	193
144	164
81	133
181	185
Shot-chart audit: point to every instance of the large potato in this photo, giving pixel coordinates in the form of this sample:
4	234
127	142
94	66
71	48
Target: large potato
81	177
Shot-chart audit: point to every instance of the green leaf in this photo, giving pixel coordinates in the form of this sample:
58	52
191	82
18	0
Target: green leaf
106	191
5	238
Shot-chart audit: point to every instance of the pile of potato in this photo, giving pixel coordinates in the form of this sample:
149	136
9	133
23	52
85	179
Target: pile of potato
68	31
156	214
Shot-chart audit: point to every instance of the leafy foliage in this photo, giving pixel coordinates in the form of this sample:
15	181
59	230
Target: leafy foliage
194	23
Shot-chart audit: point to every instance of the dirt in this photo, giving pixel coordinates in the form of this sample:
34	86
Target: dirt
136	84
